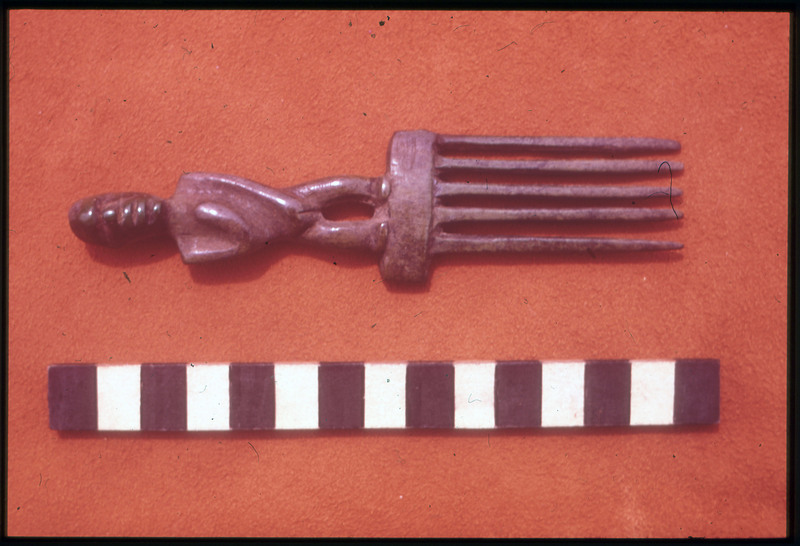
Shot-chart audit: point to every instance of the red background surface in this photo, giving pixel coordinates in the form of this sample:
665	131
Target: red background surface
103	101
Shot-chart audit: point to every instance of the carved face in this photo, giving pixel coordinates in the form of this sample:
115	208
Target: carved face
113	219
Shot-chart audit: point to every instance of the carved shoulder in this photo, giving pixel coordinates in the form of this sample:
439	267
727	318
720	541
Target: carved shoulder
213	216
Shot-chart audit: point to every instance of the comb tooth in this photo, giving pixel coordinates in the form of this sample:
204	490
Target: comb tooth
467	214
449	242
554	166
510	144
582	192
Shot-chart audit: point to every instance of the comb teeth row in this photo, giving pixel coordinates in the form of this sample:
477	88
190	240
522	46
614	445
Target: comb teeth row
446	168
355	395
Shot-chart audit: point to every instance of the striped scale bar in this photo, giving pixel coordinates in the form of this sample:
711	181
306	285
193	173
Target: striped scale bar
357	395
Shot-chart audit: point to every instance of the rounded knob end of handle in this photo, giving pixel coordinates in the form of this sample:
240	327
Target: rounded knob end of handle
115	219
